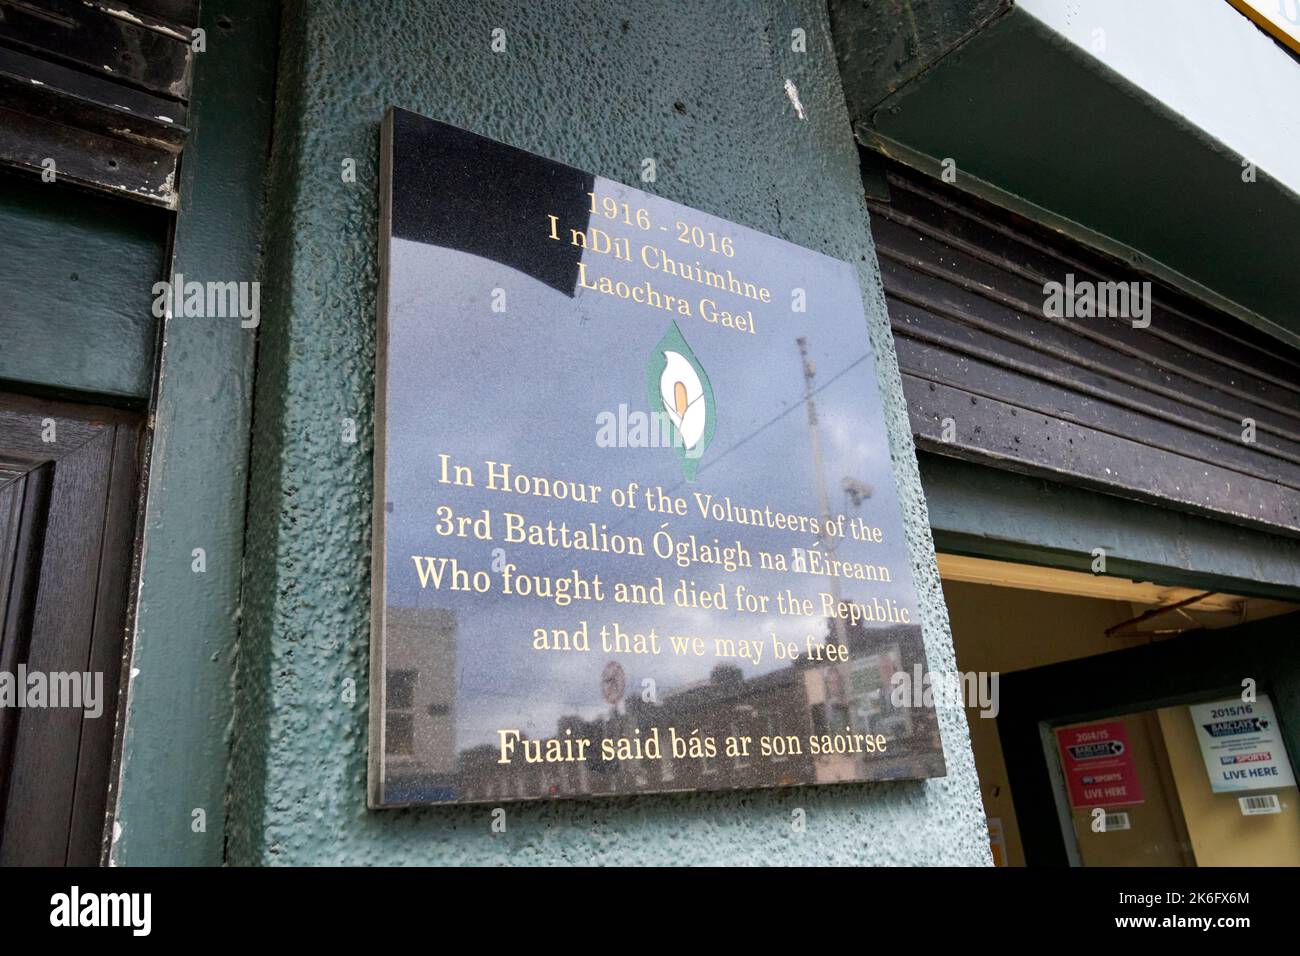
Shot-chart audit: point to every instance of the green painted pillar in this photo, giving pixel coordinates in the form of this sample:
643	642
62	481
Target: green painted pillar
702	88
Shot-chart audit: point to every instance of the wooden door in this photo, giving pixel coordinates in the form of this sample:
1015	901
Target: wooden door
68	486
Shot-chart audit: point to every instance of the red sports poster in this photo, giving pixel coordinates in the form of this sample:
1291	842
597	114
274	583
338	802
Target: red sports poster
1098	765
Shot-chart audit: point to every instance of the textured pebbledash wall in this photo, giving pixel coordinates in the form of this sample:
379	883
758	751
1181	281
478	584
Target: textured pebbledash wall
599	86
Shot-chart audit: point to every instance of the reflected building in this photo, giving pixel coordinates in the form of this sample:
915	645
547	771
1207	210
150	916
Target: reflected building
784	707
420	704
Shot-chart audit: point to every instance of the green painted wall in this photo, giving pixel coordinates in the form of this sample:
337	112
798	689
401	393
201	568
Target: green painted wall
600	86
76	293
885	44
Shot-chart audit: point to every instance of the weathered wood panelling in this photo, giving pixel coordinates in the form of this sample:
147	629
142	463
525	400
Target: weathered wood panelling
95	93
1159	413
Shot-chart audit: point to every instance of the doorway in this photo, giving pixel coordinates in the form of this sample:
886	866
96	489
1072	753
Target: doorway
1137	724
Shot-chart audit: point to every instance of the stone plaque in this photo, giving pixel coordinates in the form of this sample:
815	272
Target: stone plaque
636	528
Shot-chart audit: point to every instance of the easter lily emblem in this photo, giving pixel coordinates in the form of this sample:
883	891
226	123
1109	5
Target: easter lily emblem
678	385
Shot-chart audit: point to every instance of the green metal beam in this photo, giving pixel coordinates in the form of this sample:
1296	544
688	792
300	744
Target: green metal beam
986	512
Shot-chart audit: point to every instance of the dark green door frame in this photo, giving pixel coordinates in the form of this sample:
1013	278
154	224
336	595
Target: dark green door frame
176	739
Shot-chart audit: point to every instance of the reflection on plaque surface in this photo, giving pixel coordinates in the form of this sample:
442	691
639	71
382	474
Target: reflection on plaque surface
636	527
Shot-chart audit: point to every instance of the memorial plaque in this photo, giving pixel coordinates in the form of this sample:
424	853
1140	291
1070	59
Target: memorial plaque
636	526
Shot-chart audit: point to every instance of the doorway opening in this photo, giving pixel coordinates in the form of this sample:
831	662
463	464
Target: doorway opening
1135	724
